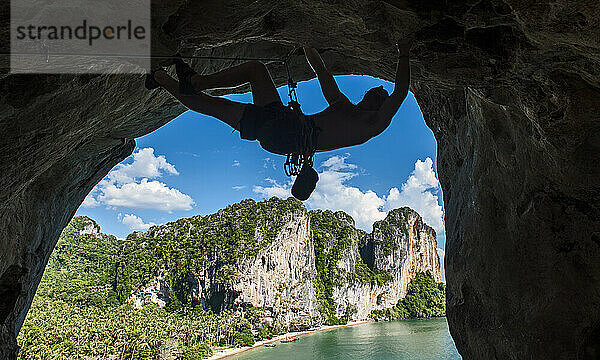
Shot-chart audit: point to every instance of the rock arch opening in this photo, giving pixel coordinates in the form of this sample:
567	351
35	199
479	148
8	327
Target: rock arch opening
510	91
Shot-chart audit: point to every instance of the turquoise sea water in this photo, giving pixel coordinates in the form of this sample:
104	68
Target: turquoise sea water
406	339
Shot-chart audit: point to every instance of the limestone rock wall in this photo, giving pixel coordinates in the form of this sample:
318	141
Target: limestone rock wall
157	292
280	277
352	294
510	89
412	248
415	252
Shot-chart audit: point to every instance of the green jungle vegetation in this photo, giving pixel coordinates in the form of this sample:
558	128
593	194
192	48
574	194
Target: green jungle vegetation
424	298
81	308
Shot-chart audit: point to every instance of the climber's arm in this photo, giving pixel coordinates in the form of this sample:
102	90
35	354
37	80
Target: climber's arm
328	86
401	86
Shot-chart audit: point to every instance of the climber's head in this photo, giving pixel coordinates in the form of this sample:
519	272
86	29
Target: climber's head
373	99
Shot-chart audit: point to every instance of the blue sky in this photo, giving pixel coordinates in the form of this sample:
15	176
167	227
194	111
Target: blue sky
196	165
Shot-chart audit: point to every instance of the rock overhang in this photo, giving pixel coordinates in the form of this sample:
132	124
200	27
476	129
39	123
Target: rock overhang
509	88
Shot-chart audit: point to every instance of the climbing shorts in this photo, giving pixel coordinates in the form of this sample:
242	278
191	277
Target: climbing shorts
278	128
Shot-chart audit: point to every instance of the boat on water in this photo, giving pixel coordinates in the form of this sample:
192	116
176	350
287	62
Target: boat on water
288	340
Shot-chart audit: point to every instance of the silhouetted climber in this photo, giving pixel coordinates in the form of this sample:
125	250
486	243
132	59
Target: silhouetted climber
282	130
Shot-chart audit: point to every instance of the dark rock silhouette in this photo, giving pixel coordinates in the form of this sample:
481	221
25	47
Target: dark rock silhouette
509	88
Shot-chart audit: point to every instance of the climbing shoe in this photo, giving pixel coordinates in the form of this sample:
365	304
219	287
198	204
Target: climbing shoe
151	82
184	75
305	183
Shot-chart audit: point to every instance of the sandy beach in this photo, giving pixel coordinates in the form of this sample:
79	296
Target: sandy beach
222	354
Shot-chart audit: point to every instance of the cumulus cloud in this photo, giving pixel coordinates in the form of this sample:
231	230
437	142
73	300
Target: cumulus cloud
419	192
135	222
332	192
144	165
90	201
133	186
282	191
235	163
337	162
147	194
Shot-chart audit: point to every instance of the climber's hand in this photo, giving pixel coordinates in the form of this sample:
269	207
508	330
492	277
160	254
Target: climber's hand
404	47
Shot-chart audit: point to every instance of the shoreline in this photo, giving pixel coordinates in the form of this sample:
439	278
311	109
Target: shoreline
226	353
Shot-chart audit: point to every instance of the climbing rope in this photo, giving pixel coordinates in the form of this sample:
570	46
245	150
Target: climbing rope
47	55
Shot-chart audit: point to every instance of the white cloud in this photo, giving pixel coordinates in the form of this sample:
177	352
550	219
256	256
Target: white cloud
135	222
132	186
419	192
441	255
238	187
333	192
147	194
235	163
90	201
282	191
336	163
144	165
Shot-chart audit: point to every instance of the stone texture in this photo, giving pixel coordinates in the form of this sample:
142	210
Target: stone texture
280	277
414	251
157	291
510	89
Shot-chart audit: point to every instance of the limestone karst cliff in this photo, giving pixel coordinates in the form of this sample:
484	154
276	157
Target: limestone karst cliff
307	270
280	276
510	89
401	245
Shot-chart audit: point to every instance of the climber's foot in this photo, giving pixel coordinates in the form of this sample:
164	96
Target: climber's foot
151	82
184	75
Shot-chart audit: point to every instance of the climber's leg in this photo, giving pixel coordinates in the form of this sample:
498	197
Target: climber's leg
253	72
225	110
